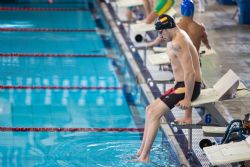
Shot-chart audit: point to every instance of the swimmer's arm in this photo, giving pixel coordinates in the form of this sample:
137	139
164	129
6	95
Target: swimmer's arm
153	14
184	56
204	39
151	17
147	7
155	42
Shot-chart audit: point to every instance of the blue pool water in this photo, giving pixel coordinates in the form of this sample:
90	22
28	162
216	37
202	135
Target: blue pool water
76	149
59	71
51	42
41	19
97	92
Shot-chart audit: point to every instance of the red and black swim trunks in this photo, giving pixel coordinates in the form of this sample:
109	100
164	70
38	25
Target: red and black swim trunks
172	96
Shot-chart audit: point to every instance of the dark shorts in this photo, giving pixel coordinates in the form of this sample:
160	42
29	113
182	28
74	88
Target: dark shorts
172	96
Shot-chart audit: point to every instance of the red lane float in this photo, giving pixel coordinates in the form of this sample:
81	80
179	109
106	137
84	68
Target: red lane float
49	55
61	87
40	9
30	129
47	30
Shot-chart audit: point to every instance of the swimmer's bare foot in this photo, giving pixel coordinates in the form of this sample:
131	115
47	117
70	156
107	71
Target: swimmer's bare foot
131	158
138	153
183	121
143	160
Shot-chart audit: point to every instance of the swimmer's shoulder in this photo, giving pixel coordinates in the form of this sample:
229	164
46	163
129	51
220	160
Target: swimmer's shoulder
200	25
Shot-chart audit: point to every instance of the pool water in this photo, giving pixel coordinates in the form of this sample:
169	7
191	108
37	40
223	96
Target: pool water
68	98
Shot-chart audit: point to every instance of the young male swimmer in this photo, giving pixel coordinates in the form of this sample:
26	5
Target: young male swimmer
197	34
187	75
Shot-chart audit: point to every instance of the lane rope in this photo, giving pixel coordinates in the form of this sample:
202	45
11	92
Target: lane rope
49	55
47	30
40	9
62	87
30	129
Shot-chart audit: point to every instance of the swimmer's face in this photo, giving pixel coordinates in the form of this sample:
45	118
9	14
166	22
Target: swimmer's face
164	35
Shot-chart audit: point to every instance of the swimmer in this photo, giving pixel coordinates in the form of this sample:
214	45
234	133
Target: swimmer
50	1
195	30
151	13
187	75
148	6
160	7
197	34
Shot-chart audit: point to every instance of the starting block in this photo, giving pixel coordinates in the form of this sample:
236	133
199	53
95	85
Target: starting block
129	3
228	153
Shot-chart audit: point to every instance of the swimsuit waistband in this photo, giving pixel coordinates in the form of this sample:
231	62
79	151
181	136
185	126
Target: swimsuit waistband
182	84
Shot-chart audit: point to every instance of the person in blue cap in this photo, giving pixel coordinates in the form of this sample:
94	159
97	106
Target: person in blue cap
197	33
187	75
195	30
187	8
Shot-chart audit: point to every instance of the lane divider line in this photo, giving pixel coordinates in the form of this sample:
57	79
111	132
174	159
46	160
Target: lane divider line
62	87
49	55
30	129
47	30
40	9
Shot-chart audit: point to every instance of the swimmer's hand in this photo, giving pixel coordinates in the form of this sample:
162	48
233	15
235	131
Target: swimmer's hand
155	42
150	44
184	104
208	46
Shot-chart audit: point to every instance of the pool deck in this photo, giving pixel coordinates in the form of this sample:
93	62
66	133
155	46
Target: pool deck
231	43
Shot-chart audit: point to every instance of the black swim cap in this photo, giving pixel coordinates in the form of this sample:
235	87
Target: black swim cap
164	22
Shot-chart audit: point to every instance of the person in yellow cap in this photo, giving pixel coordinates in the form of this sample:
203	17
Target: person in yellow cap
152	9
185	64
160	7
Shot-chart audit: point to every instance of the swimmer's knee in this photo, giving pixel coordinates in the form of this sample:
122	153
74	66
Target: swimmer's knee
148	110
152	113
